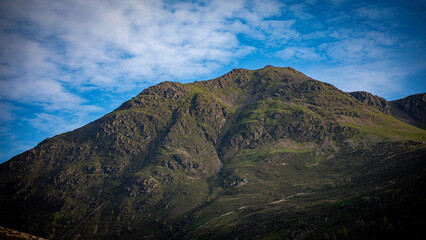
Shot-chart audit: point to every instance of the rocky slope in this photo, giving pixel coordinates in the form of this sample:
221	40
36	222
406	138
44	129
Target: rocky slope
10	234
411	109
268	153
374	101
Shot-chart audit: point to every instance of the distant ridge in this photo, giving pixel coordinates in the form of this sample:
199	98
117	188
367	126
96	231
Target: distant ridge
411	109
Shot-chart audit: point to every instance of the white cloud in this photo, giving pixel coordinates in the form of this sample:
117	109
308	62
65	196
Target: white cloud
300	53
300	10
53	123
378	78
358	46
6	114
374	13
361	46
54	53
142	37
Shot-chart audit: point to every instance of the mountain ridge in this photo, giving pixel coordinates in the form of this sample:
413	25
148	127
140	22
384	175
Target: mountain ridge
177	156
410	109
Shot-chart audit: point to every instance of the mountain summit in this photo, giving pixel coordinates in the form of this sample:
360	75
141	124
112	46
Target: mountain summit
268	153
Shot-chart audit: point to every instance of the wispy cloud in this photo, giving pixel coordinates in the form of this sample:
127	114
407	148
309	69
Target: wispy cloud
115	46
56	55
356	45
377	77
54	52
374	12
299	53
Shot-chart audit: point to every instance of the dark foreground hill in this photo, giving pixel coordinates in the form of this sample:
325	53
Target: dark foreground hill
262	154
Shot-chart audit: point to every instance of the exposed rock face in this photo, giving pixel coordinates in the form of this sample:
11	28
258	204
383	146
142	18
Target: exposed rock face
10	234
411	109
372	100
225	158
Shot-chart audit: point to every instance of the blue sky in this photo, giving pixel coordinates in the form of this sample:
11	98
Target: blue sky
66	63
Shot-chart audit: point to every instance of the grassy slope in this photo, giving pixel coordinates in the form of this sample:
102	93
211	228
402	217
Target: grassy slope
355	190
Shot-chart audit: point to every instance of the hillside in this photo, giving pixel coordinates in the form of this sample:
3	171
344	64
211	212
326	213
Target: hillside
268	153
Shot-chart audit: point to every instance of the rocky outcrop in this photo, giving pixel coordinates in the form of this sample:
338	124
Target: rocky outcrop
374	101
412	109
10	234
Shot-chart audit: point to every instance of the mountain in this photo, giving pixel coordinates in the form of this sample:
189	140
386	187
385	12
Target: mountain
268	153
411	109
